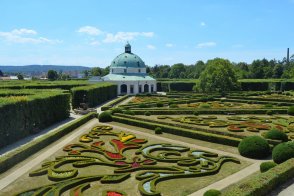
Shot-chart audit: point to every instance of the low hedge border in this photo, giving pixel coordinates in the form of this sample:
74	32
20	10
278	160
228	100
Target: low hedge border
180	131
21	153
114	102
184	126
160	111
199	129
261	99
263	183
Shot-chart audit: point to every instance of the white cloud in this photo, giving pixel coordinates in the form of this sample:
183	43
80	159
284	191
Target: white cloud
25	36
95	43
169	45
206	44
23	31
151	47
90	30
202	24
125	36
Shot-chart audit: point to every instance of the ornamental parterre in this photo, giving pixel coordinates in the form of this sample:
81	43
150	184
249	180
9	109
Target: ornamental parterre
150	164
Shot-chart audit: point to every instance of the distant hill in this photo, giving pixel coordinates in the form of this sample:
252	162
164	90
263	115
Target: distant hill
38	69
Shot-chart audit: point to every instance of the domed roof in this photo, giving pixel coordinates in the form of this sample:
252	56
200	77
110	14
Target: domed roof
127	59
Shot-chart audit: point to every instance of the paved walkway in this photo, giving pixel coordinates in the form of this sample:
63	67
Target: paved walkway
5	181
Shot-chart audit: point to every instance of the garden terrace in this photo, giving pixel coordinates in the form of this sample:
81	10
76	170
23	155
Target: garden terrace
237	127
104	159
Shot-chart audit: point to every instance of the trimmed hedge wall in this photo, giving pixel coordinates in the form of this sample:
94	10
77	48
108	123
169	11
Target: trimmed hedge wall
180	131
175	86
14	157
66	85
263	183
21	116
95	94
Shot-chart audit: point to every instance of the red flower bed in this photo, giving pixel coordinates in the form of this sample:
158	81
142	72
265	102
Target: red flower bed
112	193
114	155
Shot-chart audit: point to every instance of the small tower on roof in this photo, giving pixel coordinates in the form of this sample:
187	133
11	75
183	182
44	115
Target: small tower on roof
128	48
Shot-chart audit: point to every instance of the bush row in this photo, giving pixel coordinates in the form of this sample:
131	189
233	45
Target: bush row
93	94
175	86
185	126
14	157
175	111
263	183
180	131
114	102
261	99
66	85
21	116
264	86
259	102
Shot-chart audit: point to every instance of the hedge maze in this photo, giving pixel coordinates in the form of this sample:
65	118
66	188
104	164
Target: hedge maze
150	163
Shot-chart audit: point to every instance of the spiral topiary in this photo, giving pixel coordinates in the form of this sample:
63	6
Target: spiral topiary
275	134
283	152
265	166
105	117
254	147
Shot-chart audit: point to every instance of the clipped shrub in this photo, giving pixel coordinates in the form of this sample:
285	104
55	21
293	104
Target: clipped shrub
158	130
282	152
268	105
159	104
275	134
147	113
291	110
105	117
142	105
254	147
269	112
129	112
212	192
204	105
196	113
117	110
265	166
173	106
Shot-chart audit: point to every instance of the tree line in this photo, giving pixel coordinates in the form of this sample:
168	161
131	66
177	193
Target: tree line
258	69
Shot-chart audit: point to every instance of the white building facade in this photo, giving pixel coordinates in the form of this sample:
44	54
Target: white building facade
128	71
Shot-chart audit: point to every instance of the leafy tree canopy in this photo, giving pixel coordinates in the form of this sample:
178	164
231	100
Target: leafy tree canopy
219	75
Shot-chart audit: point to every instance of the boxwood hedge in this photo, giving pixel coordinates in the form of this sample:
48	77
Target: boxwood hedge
94	94
263	183
28	111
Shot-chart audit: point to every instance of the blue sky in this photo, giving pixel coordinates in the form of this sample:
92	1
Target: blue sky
92	33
